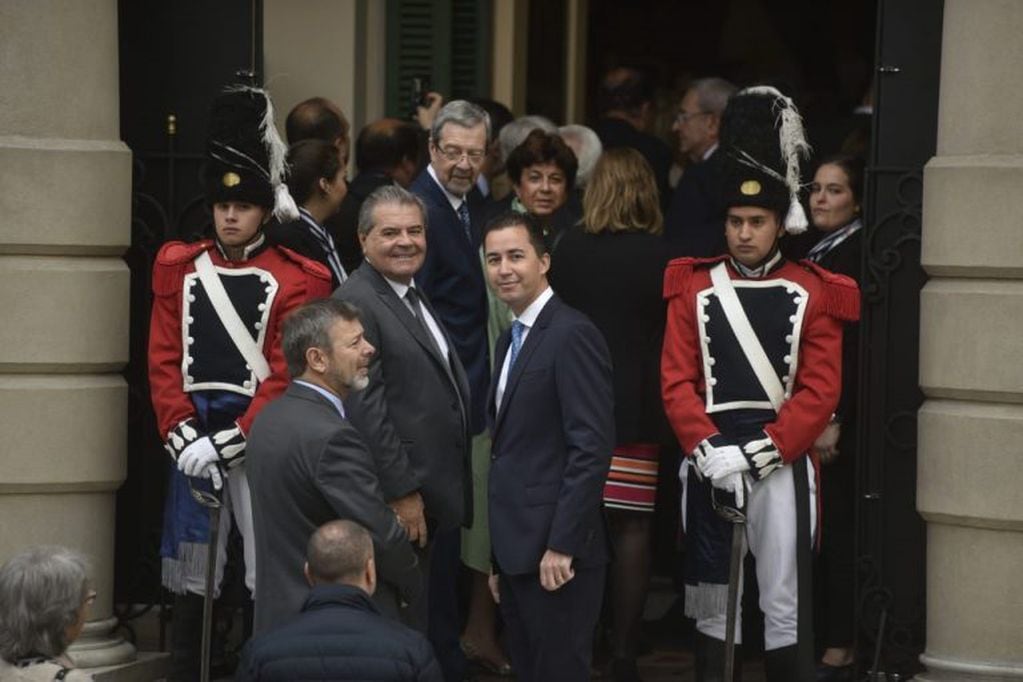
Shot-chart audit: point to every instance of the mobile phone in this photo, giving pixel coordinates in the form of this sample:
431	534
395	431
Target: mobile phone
417	98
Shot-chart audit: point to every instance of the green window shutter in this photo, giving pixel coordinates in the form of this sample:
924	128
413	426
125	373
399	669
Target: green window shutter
446	41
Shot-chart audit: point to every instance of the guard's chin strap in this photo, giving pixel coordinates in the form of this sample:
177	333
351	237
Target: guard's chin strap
762	268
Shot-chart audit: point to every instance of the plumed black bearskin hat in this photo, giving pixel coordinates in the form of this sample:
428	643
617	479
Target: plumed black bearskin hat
762	140
246	154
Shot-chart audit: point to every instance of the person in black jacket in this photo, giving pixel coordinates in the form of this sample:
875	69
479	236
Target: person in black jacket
340	635
317	182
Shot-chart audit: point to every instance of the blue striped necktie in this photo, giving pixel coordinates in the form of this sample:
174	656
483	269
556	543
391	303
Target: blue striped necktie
517	329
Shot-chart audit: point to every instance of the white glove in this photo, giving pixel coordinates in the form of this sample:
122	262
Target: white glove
763	455
212	472
194	459
718	462
732	483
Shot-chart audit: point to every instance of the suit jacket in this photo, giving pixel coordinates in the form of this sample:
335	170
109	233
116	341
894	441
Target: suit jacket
614	132
628	309
344	225
414	413
452	277
552	444
694	225
307	465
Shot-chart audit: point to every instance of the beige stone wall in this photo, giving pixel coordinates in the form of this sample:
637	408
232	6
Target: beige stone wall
970	465
65	216
327	48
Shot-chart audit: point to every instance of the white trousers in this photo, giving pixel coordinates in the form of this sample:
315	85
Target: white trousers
771	537
237	505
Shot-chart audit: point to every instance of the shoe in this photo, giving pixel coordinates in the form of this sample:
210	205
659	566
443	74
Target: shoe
474	656
834	673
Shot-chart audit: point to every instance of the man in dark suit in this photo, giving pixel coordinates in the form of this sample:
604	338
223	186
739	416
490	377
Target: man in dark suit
340	634
692	224
308	465
414	413
452	276
551	414
626	98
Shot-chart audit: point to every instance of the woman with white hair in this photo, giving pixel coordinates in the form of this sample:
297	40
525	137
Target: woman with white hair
44	602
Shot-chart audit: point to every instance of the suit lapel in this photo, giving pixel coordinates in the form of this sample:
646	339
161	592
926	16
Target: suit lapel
418	329
532	342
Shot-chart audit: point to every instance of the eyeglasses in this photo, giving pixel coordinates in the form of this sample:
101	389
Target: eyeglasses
455	154
684	117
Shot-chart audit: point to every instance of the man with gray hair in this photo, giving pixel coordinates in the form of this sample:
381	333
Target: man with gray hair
415	412
308	465
44	602
692	224
340	634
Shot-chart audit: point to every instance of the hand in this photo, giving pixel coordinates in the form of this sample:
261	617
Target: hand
555	570
826	444
493	582
212	472
425	115
719	462
763	455
733	483
409	510
194	459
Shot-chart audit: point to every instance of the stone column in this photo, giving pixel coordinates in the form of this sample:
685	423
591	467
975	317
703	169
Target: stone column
65	216
970	465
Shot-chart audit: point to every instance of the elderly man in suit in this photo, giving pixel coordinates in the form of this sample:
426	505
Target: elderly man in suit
414	413
551	410
308	465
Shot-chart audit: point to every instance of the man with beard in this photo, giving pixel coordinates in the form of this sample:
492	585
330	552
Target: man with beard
308	465
414	414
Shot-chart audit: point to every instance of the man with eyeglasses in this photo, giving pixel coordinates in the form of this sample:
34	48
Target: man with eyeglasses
452	280
692	224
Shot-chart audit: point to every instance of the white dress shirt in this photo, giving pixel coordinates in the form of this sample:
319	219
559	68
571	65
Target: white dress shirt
528	319
422	313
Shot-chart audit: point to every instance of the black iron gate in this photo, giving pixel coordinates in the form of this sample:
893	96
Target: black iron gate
174	58
891	540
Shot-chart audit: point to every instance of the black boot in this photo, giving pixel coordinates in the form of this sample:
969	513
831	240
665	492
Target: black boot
785	665
710	659
186	638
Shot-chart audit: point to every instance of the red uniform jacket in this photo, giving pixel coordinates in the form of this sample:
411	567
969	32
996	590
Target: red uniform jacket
816	325
298	279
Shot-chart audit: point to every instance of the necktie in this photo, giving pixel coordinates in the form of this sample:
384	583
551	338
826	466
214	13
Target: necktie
413	298
517	329
463	215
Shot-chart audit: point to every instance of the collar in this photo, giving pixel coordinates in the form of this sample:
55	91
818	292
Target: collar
399	288
533	310
707	154
455	201
334	399
251	249
327	595
833	239
771	263
308	218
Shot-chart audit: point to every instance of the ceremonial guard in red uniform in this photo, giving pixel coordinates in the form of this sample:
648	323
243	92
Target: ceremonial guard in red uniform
214	350
751	375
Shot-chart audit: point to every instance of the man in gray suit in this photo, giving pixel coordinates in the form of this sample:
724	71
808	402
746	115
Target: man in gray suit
414	413
308	465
